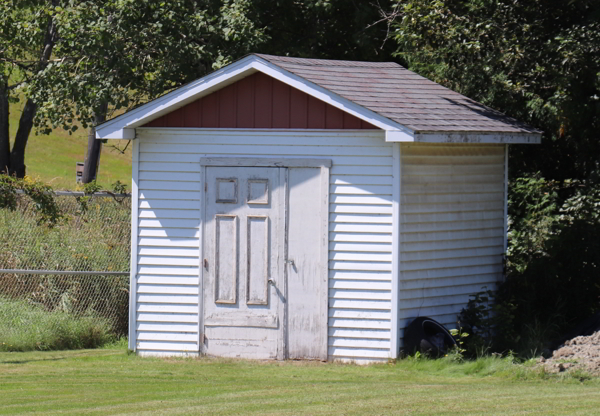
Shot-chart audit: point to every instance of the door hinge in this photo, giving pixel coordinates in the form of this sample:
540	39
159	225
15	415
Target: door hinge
205	264
202	338
205	186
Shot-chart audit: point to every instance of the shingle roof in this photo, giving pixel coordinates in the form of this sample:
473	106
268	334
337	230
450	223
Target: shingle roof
401	95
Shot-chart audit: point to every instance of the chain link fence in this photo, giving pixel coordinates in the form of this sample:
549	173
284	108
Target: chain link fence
73	276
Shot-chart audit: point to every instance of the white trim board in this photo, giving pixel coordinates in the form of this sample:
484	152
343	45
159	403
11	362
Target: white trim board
135	194
123	126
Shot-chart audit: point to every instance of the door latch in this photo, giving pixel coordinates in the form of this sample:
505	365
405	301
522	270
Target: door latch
290	262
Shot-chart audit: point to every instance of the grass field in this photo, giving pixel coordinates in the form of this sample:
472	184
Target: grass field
109	381
52	158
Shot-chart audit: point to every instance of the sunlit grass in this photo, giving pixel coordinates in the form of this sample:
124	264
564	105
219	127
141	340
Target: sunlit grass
111	381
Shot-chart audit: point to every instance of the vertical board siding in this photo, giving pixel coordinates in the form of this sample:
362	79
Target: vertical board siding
452	223
259	101
360	232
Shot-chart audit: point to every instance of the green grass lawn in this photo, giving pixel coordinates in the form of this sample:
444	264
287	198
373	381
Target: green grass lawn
52	158
109	381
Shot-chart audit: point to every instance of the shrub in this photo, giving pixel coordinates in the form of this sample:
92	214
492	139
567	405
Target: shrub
552	281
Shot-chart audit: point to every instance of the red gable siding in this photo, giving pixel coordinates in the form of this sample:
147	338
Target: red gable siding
259	101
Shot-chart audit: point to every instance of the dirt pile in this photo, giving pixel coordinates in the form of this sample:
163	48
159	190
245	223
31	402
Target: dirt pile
582	352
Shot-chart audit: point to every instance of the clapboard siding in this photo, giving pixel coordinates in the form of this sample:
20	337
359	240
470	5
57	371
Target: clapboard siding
452	227
360	227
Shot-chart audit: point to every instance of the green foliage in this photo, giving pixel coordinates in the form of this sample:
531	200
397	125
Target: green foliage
27	327
553	281
536	60
119	187
328	29
127	52
40	195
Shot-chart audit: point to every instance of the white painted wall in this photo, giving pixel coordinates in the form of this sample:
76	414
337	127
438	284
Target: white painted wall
452	223
360	227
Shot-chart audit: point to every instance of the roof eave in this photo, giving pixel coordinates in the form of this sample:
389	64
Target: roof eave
483	137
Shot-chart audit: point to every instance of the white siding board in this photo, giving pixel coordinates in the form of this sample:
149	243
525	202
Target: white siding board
452	216
359	275
169	204
163	336
157	213
359	238
360	180
358	333
363	238
173	280
358	256
167	318
175	327
370	218
167	308
178	252
167	289
168	242
360	247
169	176
182	347
360	209
360	284
166	232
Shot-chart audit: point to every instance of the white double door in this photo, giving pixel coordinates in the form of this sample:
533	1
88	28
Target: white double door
251	282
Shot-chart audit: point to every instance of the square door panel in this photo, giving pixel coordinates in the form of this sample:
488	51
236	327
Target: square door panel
258	191
227	190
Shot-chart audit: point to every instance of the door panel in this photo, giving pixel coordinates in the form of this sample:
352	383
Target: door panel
306	276
243	236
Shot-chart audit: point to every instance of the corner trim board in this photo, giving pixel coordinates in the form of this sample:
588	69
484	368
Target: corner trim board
396	184
134	246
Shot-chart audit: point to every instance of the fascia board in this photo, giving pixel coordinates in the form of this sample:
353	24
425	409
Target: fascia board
478	137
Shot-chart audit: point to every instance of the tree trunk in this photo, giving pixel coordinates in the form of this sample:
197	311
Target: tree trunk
17	155
4	137
92	158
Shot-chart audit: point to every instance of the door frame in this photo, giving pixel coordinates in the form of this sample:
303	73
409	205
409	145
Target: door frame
270	162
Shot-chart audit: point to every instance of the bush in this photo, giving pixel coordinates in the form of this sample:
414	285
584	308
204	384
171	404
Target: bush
28	327
553	278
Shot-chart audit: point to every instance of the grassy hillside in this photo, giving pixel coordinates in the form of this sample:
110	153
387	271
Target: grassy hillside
52	158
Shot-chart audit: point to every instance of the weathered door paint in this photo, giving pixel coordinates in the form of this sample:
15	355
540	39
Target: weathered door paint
243	265
306	281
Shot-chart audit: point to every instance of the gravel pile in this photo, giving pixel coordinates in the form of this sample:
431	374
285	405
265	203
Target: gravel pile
581	352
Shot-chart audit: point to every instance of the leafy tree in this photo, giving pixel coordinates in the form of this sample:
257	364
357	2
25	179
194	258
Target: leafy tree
115	54
28	34
536	60
328	29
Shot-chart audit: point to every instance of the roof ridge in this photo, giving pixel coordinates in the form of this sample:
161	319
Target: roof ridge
327	62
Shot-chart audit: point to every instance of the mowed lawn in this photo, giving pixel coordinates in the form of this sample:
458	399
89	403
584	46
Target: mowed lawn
109	381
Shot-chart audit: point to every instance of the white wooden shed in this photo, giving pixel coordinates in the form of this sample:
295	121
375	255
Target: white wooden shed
302	208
